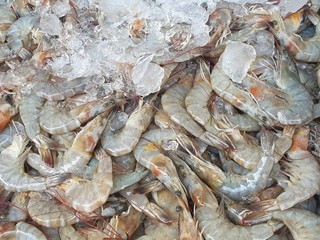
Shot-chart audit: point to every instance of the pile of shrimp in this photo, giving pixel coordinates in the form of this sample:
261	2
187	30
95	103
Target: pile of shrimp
205	157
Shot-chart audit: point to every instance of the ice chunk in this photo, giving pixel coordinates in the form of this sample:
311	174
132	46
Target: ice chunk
263	42
236	60
51	24
61	8
147	76
290	6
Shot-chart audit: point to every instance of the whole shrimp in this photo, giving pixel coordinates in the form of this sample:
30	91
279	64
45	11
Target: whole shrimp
88	195
124	140
12	174
173	103
142	204
55	121
148	153
302	50
77	157
24	231
178	212
56	90
18	35
48	212
304	173
302	224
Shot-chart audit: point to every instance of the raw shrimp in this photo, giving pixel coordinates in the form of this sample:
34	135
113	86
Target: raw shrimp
178	212
304	173
209	173
237	187
303	224
219	21
68	233
55	121
18	208
148	153
18	35
197	100
142	204
87	196
7	135
173	103
24	231
214	225
47	212
302	50
12	174
124	140
7	111
57	91
77	157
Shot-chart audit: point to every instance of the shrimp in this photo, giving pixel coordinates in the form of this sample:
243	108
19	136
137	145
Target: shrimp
142	204
304	173
24	231
18	208
12	174
213	224
7	111
301	50
77	157
18	35
46	211
53	90
55	121
178	212
120	142
238	186
209	173
173	103
87	196
7	135
23	7
302	224
147	153
68	232
7	17
219	21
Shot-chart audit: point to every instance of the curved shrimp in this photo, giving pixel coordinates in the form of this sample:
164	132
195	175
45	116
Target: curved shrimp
24	231
55	121
302	50
304	173
87	196
147	152
173	103
46	211
18	35
120	142
12	174
57	91
178	212
142	204
77	157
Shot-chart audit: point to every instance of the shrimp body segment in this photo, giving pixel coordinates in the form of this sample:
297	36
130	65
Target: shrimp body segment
24	231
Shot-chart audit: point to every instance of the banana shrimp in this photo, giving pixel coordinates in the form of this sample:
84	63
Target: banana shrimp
12	174
24	231
148	153
173	103
120	142
87	196
55	121
46	211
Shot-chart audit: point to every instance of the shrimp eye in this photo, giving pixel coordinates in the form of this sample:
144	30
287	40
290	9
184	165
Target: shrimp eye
264	119
178	208
178	193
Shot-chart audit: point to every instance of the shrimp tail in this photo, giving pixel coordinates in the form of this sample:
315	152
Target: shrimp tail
57	179
265	205
256	218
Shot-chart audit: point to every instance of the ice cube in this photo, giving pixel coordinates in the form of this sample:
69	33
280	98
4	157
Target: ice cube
51	24
147	76
236	60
